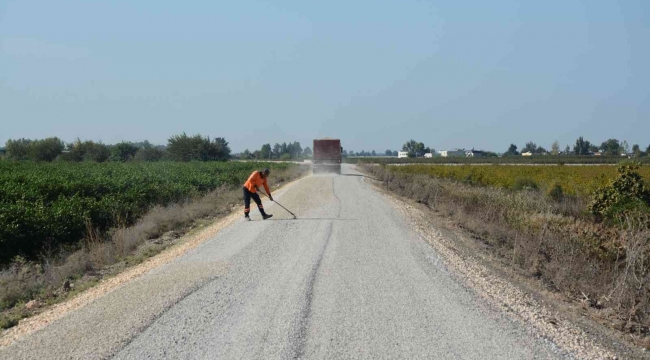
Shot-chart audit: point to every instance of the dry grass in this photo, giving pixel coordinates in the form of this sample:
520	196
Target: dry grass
108	253
552	239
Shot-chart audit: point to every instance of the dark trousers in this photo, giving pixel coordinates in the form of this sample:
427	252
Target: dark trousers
247	202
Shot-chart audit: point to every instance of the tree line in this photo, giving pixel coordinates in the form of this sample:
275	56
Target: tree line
609	147
284	151
179	147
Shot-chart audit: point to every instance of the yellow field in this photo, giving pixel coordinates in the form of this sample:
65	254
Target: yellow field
575	180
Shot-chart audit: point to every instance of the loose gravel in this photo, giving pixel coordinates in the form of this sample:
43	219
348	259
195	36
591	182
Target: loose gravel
350	278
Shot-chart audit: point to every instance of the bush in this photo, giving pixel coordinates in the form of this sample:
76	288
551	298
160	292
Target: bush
555	192
18	149
186	148
38	150
97	152
149	153
123	151
525	184
46	150
624	194
78	151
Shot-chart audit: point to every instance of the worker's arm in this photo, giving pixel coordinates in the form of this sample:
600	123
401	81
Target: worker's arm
266	187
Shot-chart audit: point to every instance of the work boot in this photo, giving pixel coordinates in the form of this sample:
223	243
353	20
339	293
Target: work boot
267	216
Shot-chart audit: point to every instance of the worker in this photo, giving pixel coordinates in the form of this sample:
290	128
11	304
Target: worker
257	179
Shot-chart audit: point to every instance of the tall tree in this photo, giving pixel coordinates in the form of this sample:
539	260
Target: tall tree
265	152
555	148
277	151
219	149
308	153
187	148
625	147
581	147
18	149
512	150
530	147
611	147
296	149
123	151
413	148
567	149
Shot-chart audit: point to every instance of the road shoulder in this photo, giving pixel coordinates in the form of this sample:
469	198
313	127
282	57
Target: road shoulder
524	300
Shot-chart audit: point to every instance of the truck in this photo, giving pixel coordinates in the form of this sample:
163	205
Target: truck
327	156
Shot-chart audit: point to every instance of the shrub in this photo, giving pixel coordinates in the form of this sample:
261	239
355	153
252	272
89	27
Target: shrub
46	149
149	153
37	150
555	192
97	152
123	151
18	149
525	184
78	151
624	194
188	148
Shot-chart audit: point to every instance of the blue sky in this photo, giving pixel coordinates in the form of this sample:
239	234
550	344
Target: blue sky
480	74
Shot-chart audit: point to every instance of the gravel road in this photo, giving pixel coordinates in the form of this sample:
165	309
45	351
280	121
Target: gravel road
347	279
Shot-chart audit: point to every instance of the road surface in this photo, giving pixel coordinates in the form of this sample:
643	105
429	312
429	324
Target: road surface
348	279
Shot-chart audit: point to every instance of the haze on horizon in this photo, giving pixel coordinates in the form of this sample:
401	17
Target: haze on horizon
450	74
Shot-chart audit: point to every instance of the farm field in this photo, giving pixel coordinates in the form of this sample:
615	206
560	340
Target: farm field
52	204
532	160
574	180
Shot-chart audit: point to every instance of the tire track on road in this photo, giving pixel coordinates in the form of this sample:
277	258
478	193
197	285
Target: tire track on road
338	213
306	312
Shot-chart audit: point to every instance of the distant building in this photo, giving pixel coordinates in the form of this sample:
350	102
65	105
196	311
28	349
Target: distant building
475	153
451	153
428	155
527	154
402	154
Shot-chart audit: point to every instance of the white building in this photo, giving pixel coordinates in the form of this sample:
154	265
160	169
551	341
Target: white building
527	154
428	155
402	154
450	153
475	153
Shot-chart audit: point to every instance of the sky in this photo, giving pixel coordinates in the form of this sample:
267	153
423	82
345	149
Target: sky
452	74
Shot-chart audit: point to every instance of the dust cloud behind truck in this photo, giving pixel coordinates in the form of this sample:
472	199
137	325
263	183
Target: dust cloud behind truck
327	156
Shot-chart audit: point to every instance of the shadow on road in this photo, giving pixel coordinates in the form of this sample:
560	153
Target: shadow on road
309	219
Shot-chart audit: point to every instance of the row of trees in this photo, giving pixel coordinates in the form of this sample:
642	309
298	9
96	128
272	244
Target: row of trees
611	147
179	148
284	151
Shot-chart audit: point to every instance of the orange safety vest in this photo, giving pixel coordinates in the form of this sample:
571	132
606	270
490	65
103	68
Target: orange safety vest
256	180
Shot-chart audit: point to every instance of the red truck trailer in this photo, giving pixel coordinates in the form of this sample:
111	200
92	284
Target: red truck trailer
327	155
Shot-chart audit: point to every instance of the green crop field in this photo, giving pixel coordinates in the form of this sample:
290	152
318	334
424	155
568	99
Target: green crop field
575	180
51	204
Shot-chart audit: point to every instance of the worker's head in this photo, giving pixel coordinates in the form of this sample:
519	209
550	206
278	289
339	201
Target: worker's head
266	172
